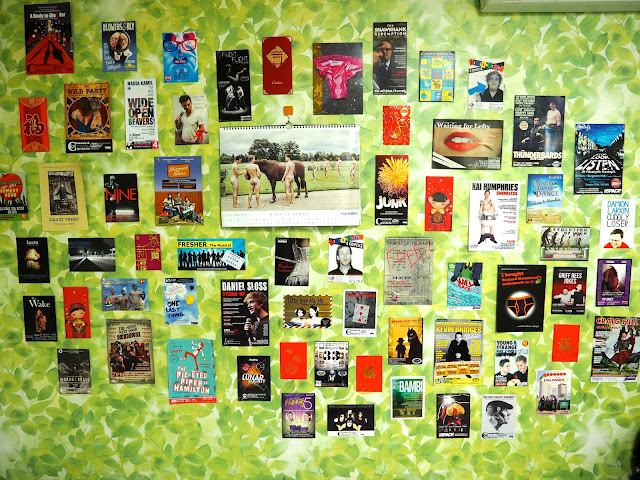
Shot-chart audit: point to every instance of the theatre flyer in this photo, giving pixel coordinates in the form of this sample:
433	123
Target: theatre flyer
33	260
34	124
178	190
437	76
13	197
520	298
453	416
392	189
245	312
119	47
234	85
538	126
191	371
467	144
359	313
390	58
511	363
498	417
140	104
48	39
616	353
544	198
486	85
408	270
180	301
614	282
40	318
565	243
458	352
130	349
331	360
88	118
180	57
346	258
307	311
405	341
121	197
493	216
569	290
350	420
407	398
63	204
464	288
554	392
211	254
292	262
74	370
617	223
599	158
254	378
298	415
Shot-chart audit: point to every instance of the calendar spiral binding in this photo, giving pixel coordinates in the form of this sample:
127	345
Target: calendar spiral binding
281	127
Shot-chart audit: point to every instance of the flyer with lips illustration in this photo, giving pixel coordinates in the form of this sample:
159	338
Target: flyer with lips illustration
467	144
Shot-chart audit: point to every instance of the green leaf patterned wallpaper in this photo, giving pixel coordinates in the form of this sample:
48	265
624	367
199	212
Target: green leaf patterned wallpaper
131	430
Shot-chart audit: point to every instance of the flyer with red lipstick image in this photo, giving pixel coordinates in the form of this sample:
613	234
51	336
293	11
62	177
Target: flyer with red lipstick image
467	144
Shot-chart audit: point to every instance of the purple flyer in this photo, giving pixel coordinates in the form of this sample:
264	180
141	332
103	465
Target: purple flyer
298	415
614	282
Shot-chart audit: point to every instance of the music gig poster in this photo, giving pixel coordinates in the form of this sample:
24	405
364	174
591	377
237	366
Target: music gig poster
47	38
277	76
34	124
140	103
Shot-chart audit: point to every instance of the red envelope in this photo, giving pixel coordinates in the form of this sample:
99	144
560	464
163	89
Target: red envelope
277	76
34	128
77	321
396	123
368	373
293	360
148	253
566	342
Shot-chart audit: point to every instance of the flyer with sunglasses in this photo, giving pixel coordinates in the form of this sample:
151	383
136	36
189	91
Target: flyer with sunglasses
179	51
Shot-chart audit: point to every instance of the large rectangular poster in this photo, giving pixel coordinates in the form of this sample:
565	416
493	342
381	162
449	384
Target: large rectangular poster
245	312
329	201
458	352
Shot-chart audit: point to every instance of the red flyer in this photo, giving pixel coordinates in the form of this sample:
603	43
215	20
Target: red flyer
48	40
34	128
277	76
396	122
566	342
368	373
148	253
293	360
438	209
77	321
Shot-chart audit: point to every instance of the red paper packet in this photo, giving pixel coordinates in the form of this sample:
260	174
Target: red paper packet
438	204
566	342
77	320
368	373
277	76
396	123
293	360
148	252
34	127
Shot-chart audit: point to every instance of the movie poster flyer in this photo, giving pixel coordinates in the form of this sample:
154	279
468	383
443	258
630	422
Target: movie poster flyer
326	196
544	198
292	262
359	313
437	76
234	85
538	131
125	294
74	370
211	254
140	103
614	282
565	243
392	189
88	113
396	125
615	353
191	371
439	205
511	365
180	57
407	398
148	252
390	58
63	205
458	352
33	260
130	351
405	341
77	319
498	417
40	318
453	415
350	420
569	290
464	288
599	158
554	392
298	415
486	85
617	223
466	144
91	254
180	301
408	270
245	312
191	119
178	187
119	47
13	197
121	197
337	78
493	216
331	360
34	124
277	66
254	378
346	259
48	39
520	298
307	311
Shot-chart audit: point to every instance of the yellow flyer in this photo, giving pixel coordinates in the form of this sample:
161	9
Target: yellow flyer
62	194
